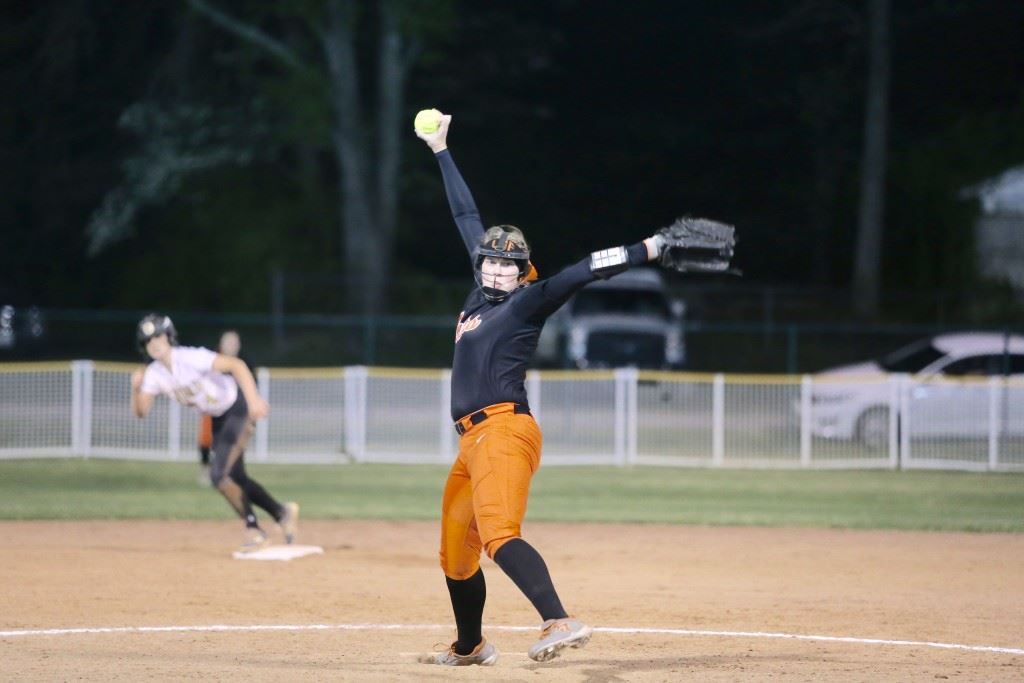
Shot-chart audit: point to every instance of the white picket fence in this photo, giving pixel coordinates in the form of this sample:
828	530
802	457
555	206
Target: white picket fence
621	417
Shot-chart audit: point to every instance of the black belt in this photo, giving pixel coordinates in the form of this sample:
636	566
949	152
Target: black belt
481	415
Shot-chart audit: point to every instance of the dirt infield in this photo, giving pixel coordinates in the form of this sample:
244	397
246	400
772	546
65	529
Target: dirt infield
379	592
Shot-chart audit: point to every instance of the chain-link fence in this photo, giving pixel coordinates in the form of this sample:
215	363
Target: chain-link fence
619	417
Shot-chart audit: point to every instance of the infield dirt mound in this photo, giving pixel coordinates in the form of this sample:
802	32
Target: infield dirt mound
940	587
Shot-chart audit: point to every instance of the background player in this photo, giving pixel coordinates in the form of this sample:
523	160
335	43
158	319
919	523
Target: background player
487	488
220	386
230	345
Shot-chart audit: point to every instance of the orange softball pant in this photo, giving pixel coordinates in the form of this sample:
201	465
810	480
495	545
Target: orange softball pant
205	431
485	496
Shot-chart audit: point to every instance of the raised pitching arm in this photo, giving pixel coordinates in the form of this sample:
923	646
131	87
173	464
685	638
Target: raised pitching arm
460	199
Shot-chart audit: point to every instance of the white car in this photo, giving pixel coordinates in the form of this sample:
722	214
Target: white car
628	320
946	398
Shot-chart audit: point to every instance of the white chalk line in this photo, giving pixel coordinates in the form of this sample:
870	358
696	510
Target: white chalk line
226	628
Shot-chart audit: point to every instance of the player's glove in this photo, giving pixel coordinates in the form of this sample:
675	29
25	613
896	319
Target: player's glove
696	245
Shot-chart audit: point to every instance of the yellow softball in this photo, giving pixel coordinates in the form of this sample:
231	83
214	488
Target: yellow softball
427	121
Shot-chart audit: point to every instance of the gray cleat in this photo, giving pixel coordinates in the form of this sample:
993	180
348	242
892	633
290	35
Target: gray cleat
255	538
485	654
558	634
290	522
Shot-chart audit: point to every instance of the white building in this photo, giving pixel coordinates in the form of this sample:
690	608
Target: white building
999	232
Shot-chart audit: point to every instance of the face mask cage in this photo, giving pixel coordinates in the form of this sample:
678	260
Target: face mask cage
494	294
503	242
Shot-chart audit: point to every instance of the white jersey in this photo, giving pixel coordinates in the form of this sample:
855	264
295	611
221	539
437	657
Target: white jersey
192	381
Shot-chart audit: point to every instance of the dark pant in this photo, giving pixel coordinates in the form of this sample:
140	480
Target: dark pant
231	434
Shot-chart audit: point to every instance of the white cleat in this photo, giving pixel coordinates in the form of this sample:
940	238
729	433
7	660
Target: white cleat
485	654
558	634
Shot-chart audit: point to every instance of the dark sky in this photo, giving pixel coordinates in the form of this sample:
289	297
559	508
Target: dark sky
586	123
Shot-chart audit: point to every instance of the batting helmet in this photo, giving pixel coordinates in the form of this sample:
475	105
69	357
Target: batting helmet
153	325
501	241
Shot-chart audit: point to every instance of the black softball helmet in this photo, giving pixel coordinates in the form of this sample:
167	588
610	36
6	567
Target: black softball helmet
501	241
153	325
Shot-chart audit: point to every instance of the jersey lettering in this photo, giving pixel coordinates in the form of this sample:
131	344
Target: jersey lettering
194	395
467	325
185	395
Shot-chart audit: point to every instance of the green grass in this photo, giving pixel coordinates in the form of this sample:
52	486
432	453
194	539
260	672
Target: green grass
105	489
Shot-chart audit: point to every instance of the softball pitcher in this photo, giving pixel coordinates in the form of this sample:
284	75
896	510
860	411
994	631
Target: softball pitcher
220	386
499	450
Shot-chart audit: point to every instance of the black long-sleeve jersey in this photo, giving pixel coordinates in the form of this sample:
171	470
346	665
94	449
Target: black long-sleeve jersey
494	341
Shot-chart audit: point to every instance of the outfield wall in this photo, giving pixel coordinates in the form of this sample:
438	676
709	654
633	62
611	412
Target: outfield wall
620	417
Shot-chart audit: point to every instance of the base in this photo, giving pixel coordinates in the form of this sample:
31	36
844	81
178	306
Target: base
283	553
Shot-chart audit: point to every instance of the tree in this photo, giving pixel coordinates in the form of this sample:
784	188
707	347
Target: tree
176	140
317	45
870	228
820	97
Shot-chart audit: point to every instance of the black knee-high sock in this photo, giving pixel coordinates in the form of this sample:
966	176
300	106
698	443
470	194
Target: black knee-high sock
526	568
468	597
248	515
259	496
